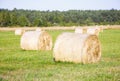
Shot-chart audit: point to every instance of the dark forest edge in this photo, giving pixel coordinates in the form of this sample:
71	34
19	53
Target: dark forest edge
33	18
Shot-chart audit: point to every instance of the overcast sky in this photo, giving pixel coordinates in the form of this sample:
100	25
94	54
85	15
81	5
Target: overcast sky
61	5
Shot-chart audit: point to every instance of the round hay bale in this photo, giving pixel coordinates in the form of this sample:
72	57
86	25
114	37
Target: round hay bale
80	30
93	31
34	40
101	29
19	31
38	29
77	48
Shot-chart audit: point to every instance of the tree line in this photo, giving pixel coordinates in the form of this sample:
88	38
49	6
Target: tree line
20	17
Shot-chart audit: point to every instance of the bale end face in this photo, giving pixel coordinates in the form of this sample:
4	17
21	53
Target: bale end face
45	42
91	50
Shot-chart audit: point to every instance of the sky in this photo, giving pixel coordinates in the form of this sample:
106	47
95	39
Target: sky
61	5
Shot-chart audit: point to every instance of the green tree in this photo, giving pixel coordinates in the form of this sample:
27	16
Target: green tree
4	18
23	21
37	22
13	19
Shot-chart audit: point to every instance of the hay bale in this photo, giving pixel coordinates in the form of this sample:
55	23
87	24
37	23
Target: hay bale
93	31
77	48
38	29
34	40
80	30
19	31
101	29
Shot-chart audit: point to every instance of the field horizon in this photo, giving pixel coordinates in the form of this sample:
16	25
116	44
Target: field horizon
59	27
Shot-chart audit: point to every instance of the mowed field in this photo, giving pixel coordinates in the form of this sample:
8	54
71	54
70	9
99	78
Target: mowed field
19	65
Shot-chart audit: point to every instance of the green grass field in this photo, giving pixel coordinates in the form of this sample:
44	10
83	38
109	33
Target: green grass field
19	65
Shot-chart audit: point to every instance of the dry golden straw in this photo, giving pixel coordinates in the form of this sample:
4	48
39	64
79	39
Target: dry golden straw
77	48
35	40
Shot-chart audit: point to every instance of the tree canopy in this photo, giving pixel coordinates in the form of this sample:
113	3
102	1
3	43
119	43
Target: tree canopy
20	17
